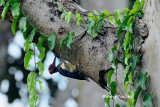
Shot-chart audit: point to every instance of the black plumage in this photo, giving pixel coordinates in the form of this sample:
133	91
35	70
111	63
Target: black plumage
67	69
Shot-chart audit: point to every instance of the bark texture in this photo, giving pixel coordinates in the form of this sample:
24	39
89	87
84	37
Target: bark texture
151	48
91	55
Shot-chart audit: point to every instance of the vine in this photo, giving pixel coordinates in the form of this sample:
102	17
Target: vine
94	24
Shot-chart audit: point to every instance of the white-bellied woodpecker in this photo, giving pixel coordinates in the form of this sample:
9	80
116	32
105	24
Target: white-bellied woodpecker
67	69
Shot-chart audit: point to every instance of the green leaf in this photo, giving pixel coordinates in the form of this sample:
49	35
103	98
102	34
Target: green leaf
5	9
40	67
91	16
130	20
125	17
109	75
142	79
126	40
68	40
111	53
142	3
133	11
129	27
32	101
95	12
90	29
129	104
32	92
13	26
2	2
106	13
25	33
136	3
68	16
107	105
78	19
130	78
27	58
129	24
117	105
51	41
62	15
31	35
12	2
125	12
40	86
107	99
111	57
126	59
22	24
27	45
134	60
15	9
126	52
59	6
41	39
117	16
113	63
94	24
99	23
119	31
131	97
112	22
135	7
147	100
140	13
31	82
126	71
113	88
136	95
62	42
41	53
126	86
127	56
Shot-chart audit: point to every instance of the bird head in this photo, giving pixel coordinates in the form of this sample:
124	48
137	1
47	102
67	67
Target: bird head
52	68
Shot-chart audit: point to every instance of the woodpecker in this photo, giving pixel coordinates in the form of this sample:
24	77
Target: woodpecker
67	69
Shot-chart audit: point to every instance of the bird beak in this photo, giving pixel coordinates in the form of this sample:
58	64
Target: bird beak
54	62
52	67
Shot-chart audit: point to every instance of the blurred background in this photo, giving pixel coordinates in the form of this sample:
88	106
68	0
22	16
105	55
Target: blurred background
58	91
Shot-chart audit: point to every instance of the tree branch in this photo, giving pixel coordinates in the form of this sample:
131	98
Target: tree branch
88	54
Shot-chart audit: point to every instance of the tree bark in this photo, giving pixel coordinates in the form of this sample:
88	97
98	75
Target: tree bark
91	55
151	48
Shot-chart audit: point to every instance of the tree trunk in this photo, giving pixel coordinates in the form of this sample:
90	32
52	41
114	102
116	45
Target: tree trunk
151	48
91	55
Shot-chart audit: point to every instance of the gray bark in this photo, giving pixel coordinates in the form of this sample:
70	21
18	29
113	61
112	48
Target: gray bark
151	48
